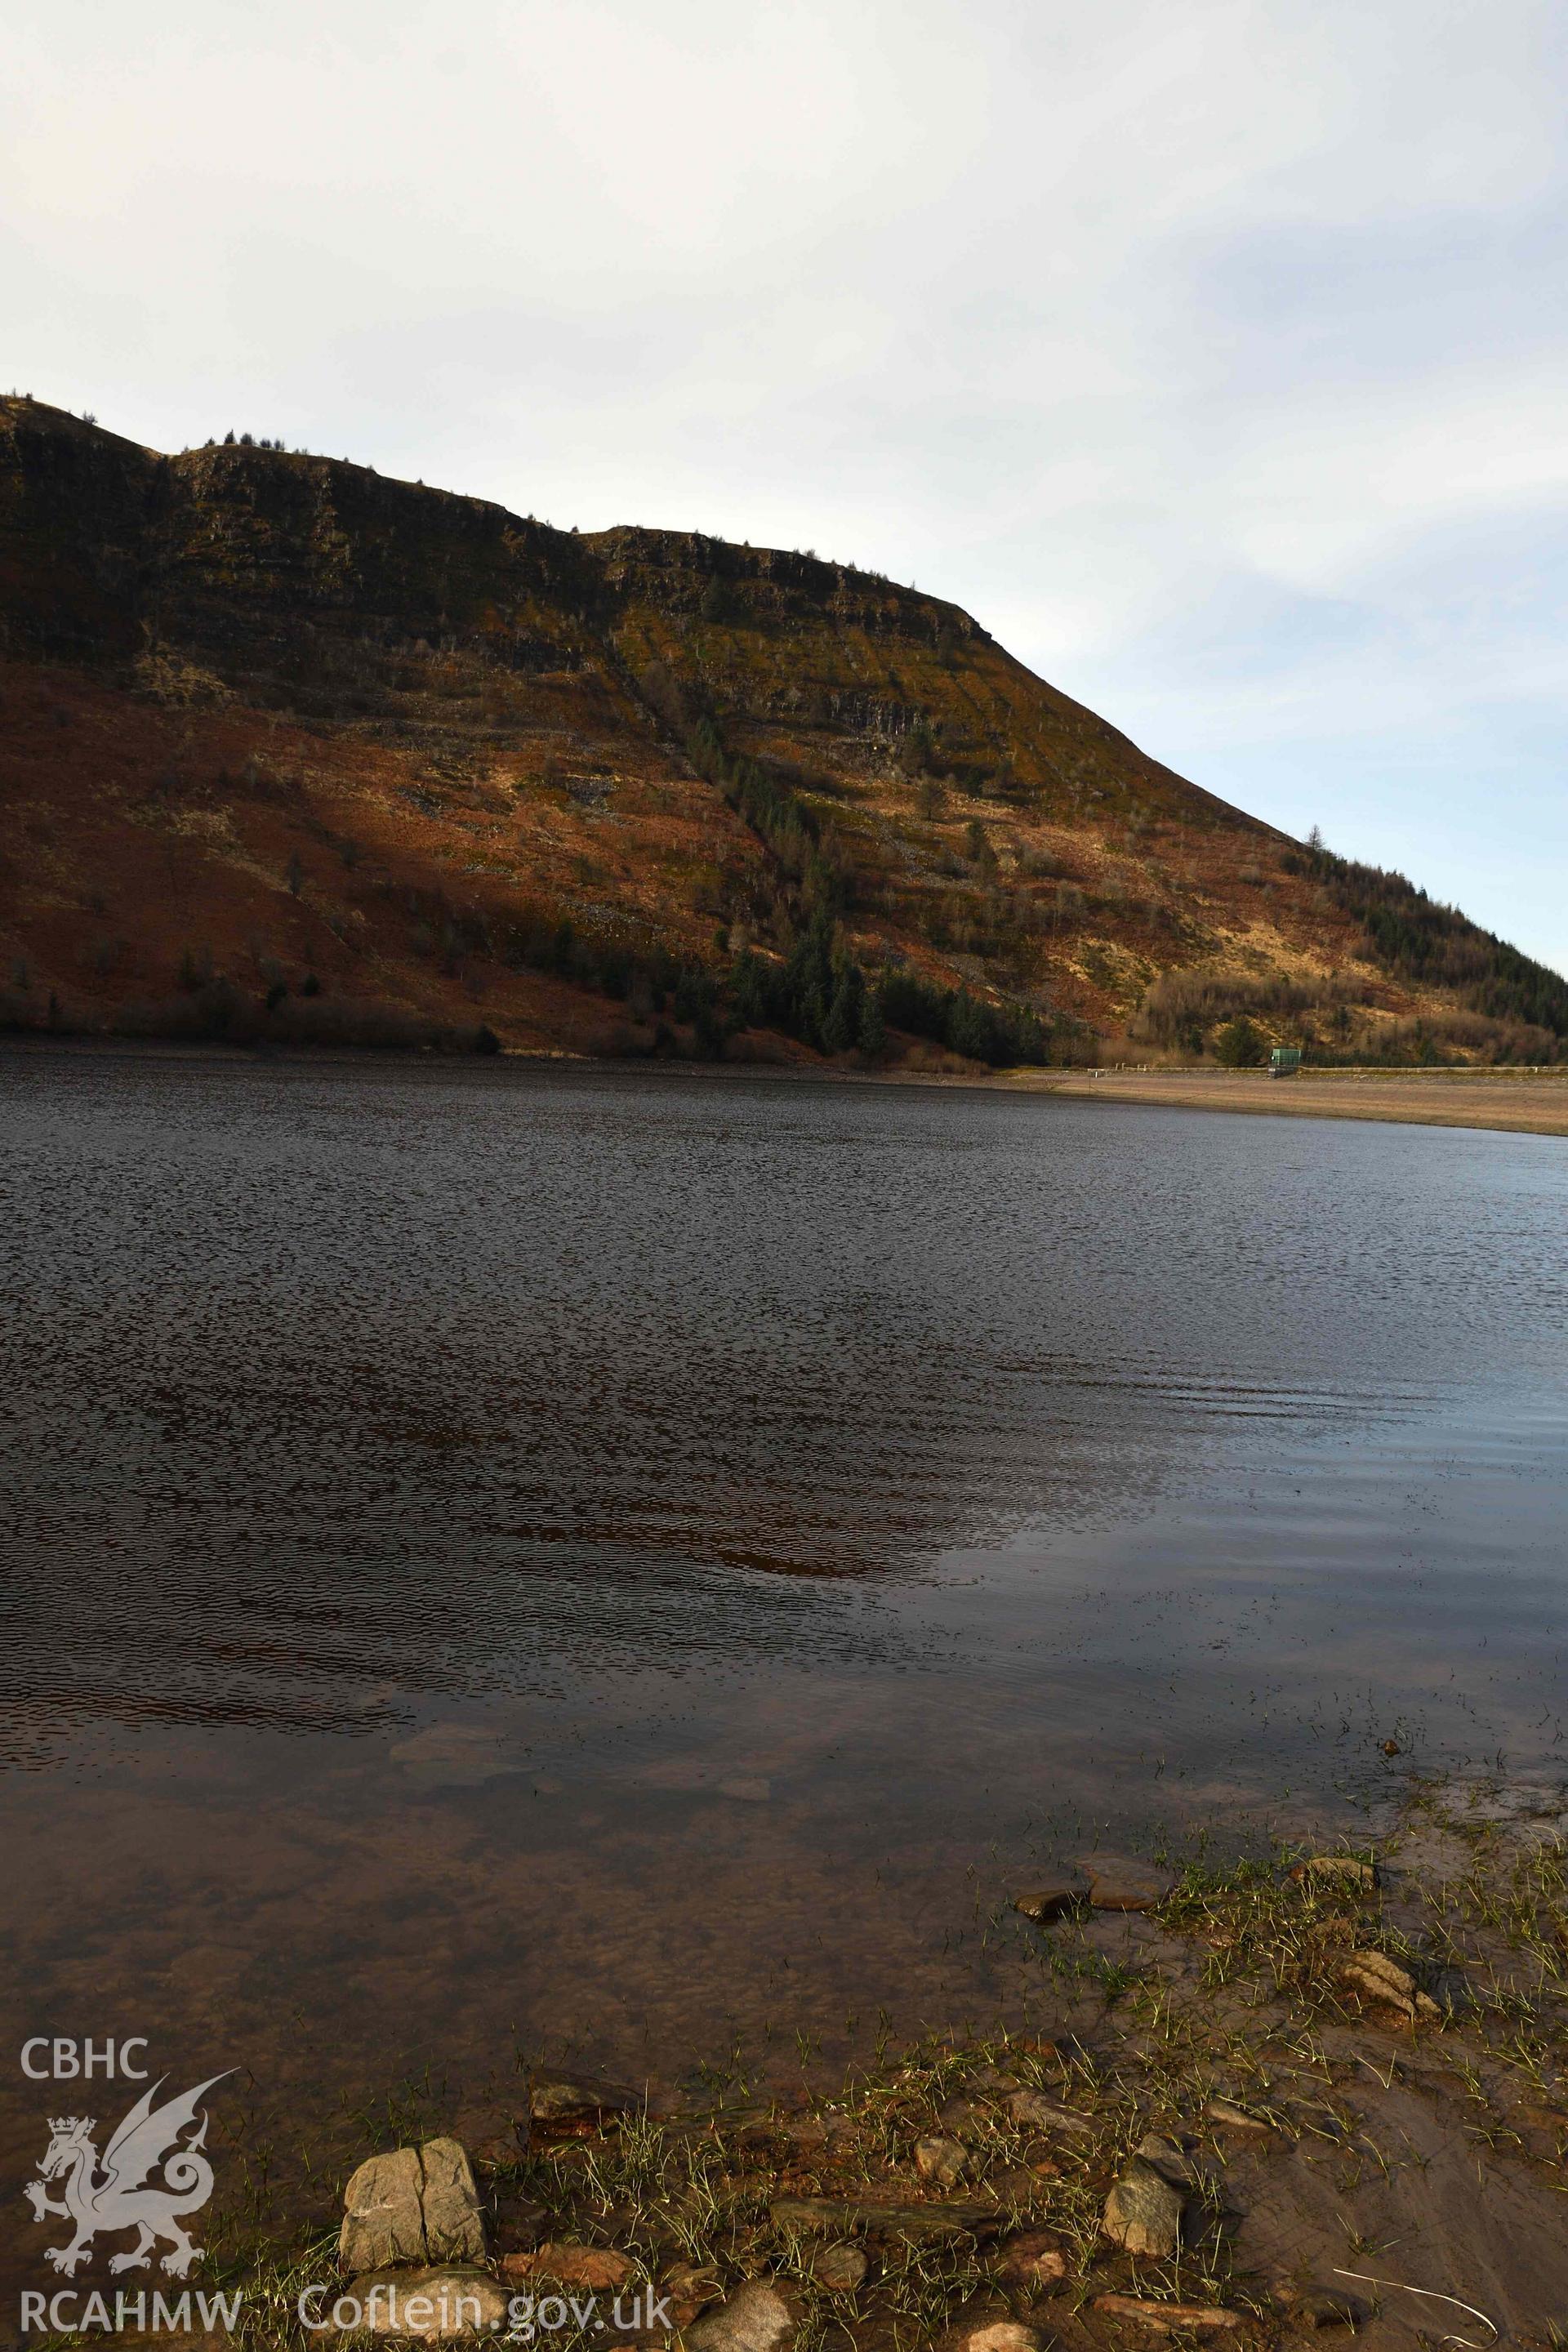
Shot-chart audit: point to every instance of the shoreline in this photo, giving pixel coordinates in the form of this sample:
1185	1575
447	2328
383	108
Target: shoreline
1504	1101
1327	2090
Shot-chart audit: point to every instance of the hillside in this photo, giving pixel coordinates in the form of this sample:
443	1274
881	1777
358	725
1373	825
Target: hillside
292	751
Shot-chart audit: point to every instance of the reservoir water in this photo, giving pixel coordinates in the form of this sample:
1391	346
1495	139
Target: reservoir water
504	1560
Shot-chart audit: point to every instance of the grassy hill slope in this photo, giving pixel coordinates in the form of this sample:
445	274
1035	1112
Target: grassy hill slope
292	751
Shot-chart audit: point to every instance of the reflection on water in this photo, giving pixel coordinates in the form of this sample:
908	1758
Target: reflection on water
702	1536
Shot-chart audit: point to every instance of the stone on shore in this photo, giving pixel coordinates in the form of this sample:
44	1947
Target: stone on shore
942	2162
450	2201
1232	2116
1376	1978
599	2269
689	2289
997	2336
428	2305
1036	2112
1344	1871
811	2131
878	2219
992	2078
840	2270
414	2205
1143	2213
1035	2260
382	2220
1165	2319
1164	2157
756	2318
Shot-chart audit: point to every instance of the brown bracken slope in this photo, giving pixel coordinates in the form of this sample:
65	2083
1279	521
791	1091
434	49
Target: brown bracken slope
291	750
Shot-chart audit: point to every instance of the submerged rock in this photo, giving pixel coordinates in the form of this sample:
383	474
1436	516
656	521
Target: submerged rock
1324	2306
518	2221
414	2205
1116	1884
1057	1898
493	2136
579	2099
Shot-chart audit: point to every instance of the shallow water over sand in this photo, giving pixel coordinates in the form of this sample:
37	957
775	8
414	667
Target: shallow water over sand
501	1560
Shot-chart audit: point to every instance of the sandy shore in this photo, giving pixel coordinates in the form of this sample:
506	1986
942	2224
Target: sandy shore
1529	1102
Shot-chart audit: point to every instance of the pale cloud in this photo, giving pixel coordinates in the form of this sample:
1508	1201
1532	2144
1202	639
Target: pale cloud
1210	356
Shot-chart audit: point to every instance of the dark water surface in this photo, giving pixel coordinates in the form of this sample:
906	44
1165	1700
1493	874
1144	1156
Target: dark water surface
498	1559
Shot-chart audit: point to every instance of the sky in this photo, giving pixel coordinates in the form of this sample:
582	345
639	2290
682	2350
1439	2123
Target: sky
1215	356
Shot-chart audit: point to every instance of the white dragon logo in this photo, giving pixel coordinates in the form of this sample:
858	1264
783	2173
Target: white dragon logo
118	2198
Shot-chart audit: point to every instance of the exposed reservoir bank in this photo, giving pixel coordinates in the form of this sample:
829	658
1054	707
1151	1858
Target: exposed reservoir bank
1525	1102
